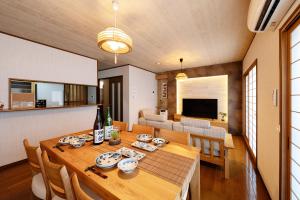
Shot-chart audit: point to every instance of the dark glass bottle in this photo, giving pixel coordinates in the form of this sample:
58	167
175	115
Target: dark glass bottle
108	125
98	131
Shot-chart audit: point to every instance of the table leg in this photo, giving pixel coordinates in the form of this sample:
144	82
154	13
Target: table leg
195	183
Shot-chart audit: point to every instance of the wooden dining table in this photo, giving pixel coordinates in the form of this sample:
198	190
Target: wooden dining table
167	173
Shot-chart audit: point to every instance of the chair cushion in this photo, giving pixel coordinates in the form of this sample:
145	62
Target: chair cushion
153	117
38	186
199	123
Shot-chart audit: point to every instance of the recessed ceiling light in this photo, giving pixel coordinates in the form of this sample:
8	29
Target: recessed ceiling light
158	63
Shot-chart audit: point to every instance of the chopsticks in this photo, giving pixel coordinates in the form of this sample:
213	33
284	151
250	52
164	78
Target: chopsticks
58	147
96	171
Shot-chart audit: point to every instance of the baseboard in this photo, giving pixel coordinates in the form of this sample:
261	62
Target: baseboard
4	167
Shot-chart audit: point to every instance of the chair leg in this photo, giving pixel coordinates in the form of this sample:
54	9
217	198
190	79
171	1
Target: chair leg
226	166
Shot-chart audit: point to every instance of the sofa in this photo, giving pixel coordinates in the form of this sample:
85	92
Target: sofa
192	125
150	118
202	128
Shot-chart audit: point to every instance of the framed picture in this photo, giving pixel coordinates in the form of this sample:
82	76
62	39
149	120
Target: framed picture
164	90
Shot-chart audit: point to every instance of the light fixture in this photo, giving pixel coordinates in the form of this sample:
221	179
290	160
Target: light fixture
181	75
113	39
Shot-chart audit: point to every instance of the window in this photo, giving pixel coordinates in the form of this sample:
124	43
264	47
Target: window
251	116
294	110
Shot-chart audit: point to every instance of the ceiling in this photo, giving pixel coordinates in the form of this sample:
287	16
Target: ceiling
203	32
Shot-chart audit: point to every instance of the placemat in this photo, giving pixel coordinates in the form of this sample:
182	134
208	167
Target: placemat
169	166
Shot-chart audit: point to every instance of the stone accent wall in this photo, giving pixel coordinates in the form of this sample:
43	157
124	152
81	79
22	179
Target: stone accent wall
234	72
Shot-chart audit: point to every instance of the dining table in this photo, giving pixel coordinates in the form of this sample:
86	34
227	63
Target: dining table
169	172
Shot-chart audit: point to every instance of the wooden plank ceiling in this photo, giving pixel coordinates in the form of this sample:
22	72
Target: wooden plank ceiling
203	32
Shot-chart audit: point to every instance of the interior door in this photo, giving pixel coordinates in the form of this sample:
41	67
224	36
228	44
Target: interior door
293	115
116	97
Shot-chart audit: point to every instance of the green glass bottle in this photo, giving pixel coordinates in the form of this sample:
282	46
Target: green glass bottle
108	125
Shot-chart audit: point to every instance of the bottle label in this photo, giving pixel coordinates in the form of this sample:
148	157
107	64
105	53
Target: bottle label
98	136
108	130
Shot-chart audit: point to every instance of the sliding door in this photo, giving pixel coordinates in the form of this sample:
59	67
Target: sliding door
294	110
251	116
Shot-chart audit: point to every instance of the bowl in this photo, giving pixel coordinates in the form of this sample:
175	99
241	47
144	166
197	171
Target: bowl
128	165
159	141
108	159
77	142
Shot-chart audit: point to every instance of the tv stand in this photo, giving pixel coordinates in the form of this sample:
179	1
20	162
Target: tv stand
213	122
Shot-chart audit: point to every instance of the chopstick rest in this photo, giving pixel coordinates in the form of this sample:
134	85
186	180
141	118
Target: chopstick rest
95	171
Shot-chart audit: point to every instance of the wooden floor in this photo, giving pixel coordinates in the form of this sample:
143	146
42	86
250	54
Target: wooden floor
243	184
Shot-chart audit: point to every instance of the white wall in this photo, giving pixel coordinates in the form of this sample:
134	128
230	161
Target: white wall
265	48
138	88
27	60
212	87
142	92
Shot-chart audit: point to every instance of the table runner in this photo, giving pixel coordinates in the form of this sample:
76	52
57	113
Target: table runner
169	166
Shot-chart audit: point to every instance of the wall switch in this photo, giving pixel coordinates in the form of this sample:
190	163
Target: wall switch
275	97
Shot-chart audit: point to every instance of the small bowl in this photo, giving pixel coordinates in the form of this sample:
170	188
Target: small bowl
128	165
77	143
159	141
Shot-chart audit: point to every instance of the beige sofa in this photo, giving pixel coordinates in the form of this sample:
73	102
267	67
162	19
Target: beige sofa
202	128
150	118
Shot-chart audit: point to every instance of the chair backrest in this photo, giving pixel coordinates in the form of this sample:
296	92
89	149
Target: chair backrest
79	193
137	128
32	156
175	136
58	178
123	126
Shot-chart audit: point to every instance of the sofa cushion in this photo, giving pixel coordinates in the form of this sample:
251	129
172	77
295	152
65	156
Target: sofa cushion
199	123
153	117
165	125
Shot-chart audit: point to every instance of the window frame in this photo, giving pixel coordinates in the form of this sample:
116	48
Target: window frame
253	156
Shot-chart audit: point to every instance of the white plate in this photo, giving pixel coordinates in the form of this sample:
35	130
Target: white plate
128	165
130	153
144	146
159	141
108	160
86	137
66	140
144	137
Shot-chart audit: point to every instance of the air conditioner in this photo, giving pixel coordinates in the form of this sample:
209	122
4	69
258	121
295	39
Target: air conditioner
264	15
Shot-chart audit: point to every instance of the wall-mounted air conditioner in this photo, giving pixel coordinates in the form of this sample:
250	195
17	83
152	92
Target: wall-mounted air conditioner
264	15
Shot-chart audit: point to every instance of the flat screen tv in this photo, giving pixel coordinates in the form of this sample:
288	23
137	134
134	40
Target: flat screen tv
202	108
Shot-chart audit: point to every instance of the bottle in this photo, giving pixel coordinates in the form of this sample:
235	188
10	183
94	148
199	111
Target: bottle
108	125
98	131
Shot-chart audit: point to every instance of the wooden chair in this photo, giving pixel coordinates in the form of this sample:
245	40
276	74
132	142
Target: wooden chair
79	193
137	128
123	126
175	136
58	179
221	159
39	183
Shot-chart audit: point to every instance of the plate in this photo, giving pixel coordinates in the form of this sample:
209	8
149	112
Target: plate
144	137
128	165
66	140
130	153
144	146
159	141
108	160
86	137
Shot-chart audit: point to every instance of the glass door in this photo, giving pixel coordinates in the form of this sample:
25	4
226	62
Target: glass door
294	111
251	117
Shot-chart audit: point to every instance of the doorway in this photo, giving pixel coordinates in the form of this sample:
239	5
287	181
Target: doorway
111	95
